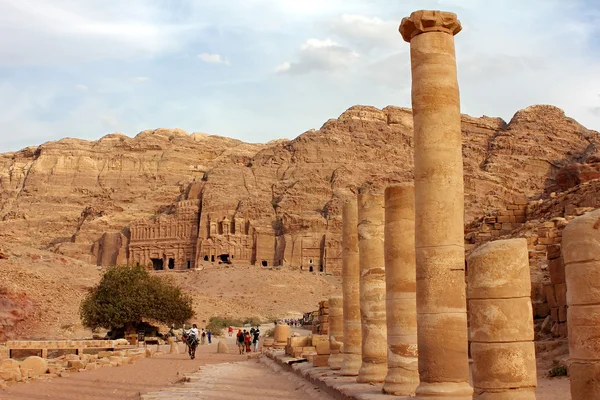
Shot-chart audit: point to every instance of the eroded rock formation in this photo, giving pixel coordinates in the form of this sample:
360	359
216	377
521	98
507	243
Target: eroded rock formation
284	196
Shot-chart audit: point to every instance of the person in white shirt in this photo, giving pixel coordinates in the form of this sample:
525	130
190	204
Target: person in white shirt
192	341
193	331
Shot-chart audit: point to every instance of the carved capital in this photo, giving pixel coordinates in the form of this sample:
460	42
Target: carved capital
429	21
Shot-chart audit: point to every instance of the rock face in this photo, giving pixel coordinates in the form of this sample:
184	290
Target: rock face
271	204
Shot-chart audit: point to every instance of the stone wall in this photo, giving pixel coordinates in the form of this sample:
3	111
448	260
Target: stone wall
541	222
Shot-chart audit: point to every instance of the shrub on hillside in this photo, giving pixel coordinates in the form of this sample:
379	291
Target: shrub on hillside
127	295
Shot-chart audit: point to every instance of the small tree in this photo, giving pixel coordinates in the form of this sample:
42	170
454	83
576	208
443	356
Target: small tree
126	295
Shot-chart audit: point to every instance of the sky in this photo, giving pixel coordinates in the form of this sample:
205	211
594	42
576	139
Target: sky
258	70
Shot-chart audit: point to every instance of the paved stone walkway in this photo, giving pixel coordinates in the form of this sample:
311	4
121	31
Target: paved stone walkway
253	379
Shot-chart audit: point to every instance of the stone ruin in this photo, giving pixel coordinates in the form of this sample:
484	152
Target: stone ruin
183	237
425	351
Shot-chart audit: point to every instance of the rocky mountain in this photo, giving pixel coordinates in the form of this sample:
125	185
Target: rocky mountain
64	195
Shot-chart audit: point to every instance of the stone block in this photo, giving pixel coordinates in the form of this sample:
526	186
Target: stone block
583	287
323	348
545	241
550	296
584	341
501	320
499	279
103	354
557	270
91	366
492	361
76	364
503	219
554	314
584	380
553	251
299	341
562	314
541	310
320	361
560	291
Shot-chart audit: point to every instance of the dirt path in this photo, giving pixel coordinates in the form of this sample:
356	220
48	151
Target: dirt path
122	383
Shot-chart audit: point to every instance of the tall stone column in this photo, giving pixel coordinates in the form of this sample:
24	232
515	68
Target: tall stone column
336	332
439	207
581	254
350	290
401	298
502	348
371	216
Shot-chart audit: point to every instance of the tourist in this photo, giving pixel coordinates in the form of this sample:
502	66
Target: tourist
230	331
203	340
209	336
247	341
240	341
255	338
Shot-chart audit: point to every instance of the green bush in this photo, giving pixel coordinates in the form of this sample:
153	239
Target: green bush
253	321
127	295
559	370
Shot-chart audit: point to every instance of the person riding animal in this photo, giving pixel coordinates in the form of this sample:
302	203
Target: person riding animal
191	338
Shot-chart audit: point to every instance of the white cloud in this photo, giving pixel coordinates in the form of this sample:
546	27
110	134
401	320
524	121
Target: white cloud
213	59
81	87
366	32
319	55
283	67
141	79
62	32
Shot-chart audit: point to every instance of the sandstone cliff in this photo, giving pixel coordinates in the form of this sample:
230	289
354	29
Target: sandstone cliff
65	195
78	198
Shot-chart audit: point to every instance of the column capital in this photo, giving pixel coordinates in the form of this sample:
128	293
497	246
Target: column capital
429	21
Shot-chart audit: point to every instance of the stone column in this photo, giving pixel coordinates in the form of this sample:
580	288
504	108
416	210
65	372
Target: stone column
581	254
336	332
350	289
281	335
502	348
401	298
439	207
371	215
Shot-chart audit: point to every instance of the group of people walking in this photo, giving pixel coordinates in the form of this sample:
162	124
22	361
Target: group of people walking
247	339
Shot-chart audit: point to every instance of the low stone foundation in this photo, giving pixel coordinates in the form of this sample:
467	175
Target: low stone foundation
330	381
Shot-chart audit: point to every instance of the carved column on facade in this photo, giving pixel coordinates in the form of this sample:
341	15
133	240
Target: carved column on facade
581	254
502	348
371	215
401	298
439	206
351	290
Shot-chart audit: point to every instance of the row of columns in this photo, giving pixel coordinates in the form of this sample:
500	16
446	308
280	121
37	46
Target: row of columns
404	292
386	297
404	265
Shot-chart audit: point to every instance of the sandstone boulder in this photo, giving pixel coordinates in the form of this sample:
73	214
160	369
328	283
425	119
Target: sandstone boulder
36	365
222	347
